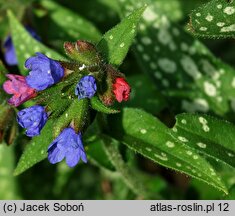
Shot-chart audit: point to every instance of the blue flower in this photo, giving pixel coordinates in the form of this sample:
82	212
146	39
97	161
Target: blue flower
86	87
10	54
33	119
67	145
44	72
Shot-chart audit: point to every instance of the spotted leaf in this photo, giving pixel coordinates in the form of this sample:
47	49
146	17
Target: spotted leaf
74	115
214	19
208	135
146	135
67	25
117	41
188	74
26	45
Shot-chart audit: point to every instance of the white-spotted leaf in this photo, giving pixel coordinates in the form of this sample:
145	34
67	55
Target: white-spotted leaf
214	19
115	44
207	135
68	25
145	134
182	67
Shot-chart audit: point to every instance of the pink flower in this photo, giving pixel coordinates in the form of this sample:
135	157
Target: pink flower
121	90
17	86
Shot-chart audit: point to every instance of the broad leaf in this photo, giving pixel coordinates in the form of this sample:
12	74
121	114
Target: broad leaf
147	135
190	77
68	25
116	42
36	150
25	45
207	135
214	19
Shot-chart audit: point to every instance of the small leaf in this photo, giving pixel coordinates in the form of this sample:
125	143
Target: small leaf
25	45
2	73
214	19
97	105
36	150
75	115
55	101
145	134
117	41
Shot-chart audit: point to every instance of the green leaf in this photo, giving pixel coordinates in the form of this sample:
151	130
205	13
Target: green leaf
214	19
190	77
231	194
25	45
7	180
68	25
145	134
94	147
178	9
36	150
117	41
2	73
77	112
207	135
97	105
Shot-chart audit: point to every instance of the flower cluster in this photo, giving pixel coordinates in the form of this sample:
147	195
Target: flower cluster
45	72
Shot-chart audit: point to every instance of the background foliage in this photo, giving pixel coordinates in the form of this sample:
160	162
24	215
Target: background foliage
175	137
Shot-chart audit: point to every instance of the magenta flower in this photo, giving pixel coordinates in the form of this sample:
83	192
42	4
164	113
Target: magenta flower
17	86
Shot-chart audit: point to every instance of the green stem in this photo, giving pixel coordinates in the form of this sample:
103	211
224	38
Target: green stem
112	151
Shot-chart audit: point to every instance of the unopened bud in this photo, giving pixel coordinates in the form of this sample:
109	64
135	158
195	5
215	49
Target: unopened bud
83	52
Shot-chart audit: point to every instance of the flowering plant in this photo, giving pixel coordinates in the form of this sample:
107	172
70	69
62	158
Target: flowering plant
67	97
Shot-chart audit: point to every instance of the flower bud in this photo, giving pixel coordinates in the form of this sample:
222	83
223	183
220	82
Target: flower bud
84	46
106	93
83	52
121	90
86	87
